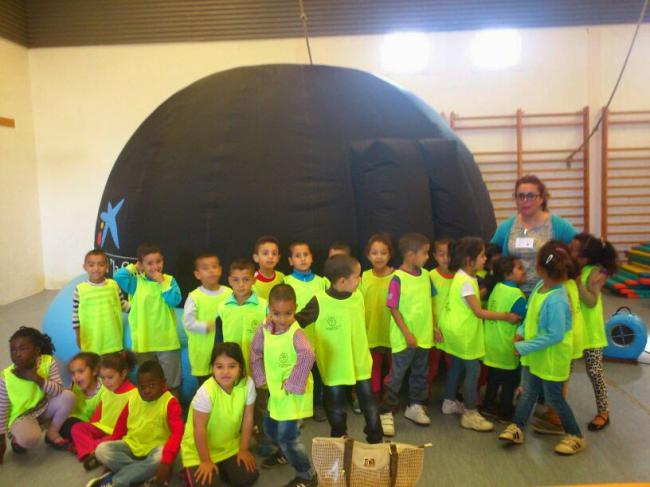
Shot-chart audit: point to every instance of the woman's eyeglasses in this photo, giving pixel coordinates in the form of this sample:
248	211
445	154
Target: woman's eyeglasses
526	196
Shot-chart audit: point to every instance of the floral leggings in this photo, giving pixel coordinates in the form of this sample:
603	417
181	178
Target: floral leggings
594	362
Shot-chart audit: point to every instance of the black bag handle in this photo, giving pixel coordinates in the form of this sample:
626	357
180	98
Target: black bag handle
623	308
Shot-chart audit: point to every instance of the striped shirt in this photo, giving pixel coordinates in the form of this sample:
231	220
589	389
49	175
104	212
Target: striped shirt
297	381
52	386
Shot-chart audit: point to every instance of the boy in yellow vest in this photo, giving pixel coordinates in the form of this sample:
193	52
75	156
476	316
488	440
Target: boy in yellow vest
281	360
266	255
147	436
97	308
200	312
341	346
152	317
239	316
305	284
411	332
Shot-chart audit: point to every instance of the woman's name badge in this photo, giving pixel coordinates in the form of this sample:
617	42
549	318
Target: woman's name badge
525	243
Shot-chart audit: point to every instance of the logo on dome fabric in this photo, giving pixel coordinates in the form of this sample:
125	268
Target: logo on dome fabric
109	224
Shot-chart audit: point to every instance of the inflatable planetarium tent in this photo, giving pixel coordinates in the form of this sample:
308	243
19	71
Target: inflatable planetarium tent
316	153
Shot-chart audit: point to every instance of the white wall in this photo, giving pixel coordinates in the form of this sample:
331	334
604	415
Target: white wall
89	100
21	261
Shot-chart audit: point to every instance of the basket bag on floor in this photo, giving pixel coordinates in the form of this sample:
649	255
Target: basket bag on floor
343	462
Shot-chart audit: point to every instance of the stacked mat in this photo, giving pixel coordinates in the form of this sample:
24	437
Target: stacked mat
633	278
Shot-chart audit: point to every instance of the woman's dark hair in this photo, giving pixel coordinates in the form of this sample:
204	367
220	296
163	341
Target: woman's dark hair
465	248
40	340
541	187
382	238
555	259
119	361
597	252
232	350
90	359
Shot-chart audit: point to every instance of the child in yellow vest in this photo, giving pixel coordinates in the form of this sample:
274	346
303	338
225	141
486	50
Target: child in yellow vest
461	332
374	287
305	284
266	255
147	437
113	372
239	316
97	307
200	313
87	390
545	343
503	366
597	260
32	393
281	359
152	318
219	427
442	278
341	346
411	332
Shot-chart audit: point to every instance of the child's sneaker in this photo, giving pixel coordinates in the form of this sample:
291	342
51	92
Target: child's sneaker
91	462
417	414
387	424
105	480
356	407
513	434
298	482
472	419
276	460
452	407
570	445
16	448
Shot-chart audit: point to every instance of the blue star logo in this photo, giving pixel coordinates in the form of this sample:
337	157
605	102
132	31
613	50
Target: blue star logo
109	219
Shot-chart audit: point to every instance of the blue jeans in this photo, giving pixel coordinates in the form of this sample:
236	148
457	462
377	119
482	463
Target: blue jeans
418	360
472	370
335	398
286	435
127	468
533	386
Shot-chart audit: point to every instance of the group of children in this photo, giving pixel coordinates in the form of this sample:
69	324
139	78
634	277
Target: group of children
269	350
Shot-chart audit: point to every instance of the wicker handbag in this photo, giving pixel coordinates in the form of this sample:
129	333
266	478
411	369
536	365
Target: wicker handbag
343	462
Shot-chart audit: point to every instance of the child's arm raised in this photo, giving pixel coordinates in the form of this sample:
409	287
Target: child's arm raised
484	314
595	282
125	277
244	456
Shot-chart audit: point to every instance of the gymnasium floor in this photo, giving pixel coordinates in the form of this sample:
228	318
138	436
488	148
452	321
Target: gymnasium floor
458	457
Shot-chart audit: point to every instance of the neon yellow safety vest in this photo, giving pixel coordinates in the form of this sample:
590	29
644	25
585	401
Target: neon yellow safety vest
442	285
263	289
415	308
100	318
500	335
200	345
375	293
342	352
577	318
85	406
594	336
240	322
279	360
147	427
304	292
25	395
112	406
462	330
552	363
223	429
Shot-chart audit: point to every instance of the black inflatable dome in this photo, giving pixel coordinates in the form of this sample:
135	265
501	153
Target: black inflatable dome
318	153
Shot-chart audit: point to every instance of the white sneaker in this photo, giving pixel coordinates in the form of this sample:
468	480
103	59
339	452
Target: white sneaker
452	407
417	414
472	419
387	424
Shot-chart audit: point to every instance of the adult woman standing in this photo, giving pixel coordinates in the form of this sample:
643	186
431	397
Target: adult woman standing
526	232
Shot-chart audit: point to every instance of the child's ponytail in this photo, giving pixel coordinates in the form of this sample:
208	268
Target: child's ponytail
38	339
123	361
598	251
555	259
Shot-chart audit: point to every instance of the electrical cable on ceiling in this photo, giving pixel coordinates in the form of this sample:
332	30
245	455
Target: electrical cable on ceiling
618	81
303	18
